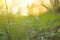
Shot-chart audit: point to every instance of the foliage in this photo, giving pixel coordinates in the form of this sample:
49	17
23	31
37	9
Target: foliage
43	27
29	28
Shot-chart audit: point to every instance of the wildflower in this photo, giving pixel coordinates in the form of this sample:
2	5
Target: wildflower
37	18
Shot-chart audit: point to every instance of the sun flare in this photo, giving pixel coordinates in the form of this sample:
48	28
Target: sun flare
22	4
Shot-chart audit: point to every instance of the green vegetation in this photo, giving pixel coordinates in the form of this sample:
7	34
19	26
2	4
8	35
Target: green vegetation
43	27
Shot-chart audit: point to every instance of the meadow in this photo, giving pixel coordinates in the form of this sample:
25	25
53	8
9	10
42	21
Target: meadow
17	27
43	27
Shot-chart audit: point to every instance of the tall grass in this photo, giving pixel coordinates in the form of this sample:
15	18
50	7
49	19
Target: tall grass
29	28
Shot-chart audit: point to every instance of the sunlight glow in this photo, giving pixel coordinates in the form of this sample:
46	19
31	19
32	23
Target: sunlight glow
35	10
23	5
47	2
16	4
9	2
26	2
24	12
15	10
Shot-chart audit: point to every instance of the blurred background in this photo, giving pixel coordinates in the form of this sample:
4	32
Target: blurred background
29	20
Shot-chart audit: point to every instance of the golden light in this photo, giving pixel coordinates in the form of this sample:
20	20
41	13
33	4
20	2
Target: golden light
16	4
26	2
23	6
47	1
15	10
24	12
35	10
9	2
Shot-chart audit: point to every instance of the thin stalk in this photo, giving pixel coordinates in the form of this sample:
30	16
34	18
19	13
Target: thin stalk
7	30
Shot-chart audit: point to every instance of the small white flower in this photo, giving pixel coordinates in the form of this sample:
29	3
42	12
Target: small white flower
10	23
52	34
37	18
27	21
